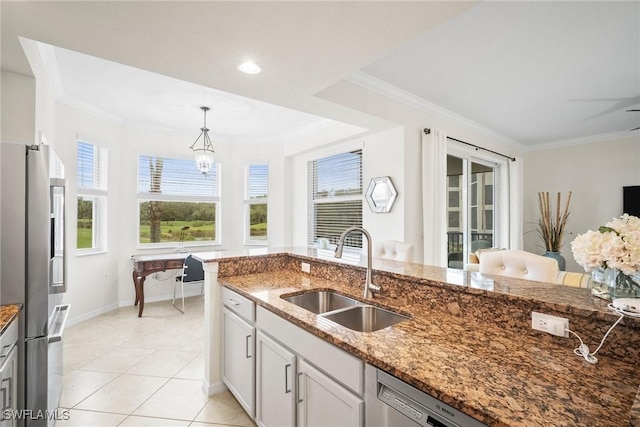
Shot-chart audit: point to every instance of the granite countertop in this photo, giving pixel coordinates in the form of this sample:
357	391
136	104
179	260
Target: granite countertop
7	314
492	373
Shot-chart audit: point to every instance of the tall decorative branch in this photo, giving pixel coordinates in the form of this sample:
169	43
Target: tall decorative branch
550	227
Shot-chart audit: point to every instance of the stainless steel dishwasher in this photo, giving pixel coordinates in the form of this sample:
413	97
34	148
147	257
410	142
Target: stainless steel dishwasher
390	402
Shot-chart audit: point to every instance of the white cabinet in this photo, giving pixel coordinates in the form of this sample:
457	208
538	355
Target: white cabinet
9	373
238	361
303	380
276	382
323	402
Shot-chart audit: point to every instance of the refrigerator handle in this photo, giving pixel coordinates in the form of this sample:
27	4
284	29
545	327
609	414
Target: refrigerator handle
57	322
57	261
52	244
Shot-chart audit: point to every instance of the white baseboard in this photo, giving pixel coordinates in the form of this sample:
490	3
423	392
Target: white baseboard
215	388
192	292
95	313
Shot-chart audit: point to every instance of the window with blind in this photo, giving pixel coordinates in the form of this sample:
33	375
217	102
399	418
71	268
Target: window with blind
335	202
177	205
256	193
92	198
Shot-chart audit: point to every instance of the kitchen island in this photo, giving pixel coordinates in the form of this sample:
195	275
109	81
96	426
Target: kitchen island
468	342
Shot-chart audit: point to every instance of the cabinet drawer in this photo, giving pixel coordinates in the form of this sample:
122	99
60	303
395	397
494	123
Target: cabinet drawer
244	307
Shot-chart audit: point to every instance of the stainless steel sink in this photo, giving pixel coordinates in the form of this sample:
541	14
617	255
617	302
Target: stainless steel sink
321	301
365	318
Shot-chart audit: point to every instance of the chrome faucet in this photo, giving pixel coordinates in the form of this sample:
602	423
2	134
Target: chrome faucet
369	287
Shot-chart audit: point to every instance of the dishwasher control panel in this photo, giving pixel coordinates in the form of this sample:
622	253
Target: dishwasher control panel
418	406
409	408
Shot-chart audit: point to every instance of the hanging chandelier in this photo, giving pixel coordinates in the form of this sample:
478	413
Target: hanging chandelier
204	152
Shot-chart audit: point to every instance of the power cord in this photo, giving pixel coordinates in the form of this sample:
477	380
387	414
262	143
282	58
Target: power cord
157	277
583	350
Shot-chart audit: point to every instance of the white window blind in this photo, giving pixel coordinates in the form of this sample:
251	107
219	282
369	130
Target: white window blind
177	204
257	182
178	178
335	197
92	168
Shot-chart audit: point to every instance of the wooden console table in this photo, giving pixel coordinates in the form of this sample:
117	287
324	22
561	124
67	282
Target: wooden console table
144	265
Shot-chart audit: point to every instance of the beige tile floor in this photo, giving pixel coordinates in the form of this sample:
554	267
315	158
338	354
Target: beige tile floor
121	370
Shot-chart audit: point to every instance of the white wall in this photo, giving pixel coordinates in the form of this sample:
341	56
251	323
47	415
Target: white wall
413	118
92	279
595	172
233	159
18	108
17	126
298	173
236	157
382	155
101	282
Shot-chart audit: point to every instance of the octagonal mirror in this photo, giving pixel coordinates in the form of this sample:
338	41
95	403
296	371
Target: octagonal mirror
381	194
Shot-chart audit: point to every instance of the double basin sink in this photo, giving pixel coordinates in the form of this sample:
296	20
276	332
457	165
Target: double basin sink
346	311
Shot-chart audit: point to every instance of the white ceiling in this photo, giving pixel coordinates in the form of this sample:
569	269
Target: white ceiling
535	72
145	100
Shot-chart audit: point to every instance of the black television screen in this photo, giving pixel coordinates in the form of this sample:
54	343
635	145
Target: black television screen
631	200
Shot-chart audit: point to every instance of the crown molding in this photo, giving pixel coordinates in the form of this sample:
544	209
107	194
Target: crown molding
374	84
602	137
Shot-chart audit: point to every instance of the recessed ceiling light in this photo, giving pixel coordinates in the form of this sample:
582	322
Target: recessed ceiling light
249	67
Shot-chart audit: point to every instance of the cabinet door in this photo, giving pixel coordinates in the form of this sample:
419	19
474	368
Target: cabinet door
9	386
323	402
276	383
238	361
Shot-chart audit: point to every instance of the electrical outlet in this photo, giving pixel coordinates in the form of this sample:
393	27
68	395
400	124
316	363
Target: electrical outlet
306	267
550	324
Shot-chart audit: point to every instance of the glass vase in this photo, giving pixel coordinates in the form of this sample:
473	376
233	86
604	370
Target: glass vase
611	283
559	258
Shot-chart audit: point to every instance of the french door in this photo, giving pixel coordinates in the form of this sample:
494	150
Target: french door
472	206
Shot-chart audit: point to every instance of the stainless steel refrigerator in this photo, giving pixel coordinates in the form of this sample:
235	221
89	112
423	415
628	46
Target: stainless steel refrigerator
34	272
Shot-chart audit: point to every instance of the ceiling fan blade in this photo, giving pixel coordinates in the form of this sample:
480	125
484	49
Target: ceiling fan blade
634	129
632	110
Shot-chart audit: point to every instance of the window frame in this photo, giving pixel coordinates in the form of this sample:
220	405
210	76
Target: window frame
248	202
313	202
142	197
97	192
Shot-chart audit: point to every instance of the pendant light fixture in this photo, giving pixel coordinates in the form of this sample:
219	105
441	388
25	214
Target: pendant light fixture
204	152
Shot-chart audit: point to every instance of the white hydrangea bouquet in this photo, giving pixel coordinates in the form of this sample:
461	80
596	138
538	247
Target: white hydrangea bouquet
613	249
